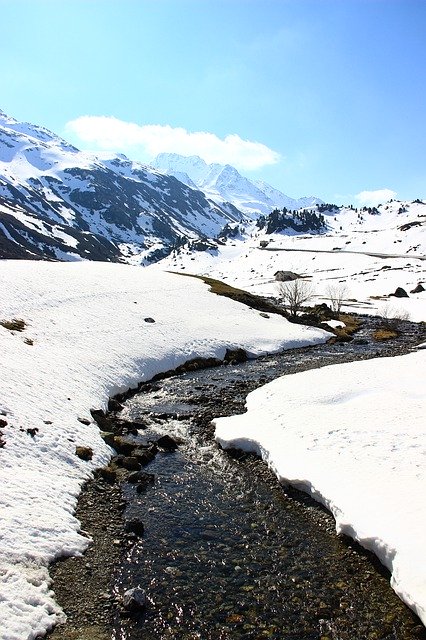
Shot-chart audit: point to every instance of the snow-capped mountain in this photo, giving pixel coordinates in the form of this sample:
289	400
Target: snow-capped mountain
59	202
223	183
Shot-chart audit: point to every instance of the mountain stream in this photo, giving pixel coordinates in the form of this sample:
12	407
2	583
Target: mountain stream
227	552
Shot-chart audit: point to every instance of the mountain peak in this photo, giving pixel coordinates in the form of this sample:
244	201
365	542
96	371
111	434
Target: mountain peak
223	183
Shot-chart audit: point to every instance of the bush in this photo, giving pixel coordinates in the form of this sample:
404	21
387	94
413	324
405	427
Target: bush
337	294
393	318
295	294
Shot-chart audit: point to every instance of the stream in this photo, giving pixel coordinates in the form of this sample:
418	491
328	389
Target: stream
227	552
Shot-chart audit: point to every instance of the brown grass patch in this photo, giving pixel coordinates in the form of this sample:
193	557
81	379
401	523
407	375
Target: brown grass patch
239	295
352	324
344	334
383	334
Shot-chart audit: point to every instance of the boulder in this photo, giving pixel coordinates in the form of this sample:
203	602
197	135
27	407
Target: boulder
108	437
145	455
285	276
399	293
123	445
134	525
141	478
101	419
167	443
418	289
130	463
134	600
109	474
114	405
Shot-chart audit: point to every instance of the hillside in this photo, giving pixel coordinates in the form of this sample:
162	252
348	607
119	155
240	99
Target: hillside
368	252
60	203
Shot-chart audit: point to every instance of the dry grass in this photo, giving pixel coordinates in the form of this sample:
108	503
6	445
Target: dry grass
244	297
383	334
352	324
16	324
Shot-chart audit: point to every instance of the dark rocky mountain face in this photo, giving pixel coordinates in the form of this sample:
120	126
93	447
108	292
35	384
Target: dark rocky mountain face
24	235
59	203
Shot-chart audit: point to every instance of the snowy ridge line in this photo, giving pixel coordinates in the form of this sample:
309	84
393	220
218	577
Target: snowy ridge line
353	437
360	253
84	340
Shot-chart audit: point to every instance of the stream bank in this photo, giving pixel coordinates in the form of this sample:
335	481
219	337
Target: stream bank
269	563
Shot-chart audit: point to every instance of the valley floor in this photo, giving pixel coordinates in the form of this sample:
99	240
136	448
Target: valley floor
89	331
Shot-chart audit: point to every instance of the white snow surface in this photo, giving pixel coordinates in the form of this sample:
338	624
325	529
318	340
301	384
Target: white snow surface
354	437
90	341
370	258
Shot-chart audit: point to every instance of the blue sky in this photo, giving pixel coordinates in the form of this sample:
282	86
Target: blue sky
333	92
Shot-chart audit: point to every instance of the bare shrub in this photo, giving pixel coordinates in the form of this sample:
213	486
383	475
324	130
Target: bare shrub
392	317
337	293
295	294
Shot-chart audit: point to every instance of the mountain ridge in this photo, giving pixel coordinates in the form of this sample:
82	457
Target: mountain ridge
224	183
141	212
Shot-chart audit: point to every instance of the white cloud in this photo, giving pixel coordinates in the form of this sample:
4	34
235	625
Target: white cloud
371	198
145	142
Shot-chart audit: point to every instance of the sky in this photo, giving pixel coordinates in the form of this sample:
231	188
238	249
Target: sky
316	97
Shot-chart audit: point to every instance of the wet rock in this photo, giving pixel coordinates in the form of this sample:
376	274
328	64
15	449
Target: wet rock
167	443
122	427
166	415
114	405
84	453
118	460
136	526
131	463
123	445
145	455
97	414
144	480
235	356
101	419
134	600
141	477
108	437
109	474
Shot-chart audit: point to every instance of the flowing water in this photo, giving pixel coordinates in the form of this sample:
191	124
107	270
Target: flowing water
229	553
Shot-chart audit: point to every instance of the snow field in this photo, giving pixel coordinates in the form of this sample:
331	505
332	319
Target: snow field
368	280
90	341
352	436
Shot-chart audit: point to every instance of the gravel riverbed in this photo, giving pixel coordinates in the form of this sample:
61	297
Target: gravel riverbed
297	579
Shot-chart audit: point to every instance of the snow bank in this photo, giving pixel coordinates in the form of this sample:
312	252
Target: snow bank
354	437
90	341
